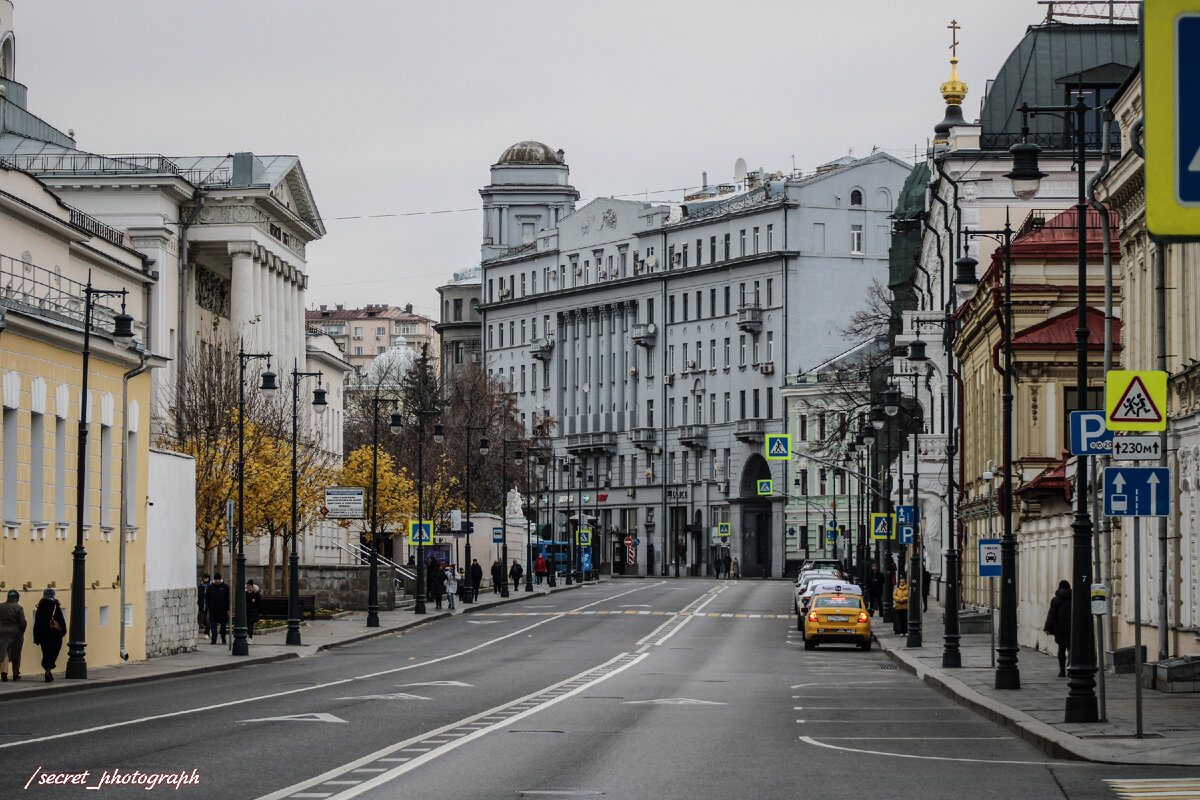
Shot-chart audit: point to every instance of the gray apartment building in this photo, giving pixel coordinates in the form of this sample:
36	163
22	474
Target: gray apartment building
657	336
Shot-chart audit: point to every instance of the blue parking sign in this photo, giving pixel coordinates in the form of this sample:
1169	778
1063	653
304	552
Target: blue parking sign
906	534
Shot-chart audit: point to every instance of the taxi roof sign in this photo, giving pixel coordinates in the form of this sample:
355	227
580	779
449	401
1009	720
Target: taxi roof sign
1135	401
779	446
1171	86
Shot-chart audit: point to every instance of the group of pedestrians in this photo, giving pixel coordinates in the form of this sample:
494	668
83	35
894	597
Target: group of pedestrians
213	603
726	567
49	629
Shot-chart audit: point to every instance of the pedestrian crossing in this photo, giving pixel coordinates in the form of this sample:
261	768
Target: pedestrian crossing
619	613
1156	789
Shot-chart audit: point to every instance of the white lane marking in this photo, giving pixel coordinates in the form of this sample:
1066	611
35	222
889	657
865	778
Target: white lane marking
915	739
435	683
874	708
241	701
688	614
394	696
484	621
843	683
425	757
638	605
674	701
815	743
318	716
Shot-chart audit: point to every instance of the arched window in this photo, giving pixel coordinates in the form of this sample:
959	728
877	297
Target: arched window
856	198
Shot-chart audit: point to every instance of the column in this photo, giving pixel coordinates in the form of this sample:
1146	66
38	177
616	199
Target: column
241	289
607	319
595	375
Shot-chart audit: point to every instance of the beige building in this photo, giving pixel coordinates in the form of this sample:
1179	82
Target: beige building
367	332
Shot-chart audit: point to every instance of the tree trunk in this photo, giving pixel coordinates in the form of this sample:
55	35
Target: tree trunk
271	565
284	573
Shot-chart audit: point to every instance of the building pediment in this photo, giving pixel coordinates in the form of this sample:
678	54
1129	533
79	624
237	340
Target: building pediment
602	221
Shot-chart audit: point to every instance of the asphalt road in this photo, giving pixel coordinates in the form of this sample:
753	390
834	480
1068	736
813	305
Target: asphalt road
628	689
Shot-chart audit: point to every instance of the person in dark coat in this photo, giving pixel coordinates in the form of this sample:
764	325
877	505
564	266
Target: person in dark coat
253	614
875	590
217	602
12	635
437	585
202	602
515	572
1058	624
497	575
926	581
728	562
49	629
476	579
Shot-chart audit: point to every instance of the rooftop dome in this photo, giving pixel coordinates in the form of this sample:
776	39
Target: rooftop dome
530	152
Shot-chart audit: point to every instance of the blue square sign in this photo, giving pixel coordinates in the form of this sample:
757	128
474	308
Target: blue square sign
1187	88
1137	492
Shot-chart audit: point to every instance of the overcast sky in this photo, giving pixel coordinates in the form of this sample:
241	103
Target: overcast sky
397	109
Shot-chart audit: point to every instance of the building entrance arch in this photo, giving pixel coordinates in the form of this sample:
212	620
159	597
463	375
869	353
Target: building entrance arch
754	514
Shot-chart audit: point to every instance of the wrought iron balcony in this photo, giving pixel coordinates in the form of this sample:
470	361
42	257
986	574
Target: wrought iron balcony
542	349
603	442
750	317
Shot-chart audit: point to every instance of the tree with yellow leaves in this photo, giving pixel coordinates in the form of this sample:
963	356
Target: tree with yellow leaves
397	499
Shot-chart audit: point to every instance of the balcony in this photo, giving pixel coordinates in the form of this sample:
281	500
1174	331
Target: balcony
542	349
693	436
643	437
750	430
645	335
600	443
750	318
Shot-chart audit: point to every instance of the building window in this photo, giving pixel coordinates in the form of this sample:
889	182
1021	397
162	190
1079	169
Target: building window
358	350
712	249
649	414
770	403
755	242
671	412
671	308
802	427
742	404
685	306
770	347
712	302
380	350
358	331
757	408
458	309
727	293
856	198
803	481
742	349
742	242
380	332
712	353
770	292
856	239
726	243
726	353
822	482
727	409
770	237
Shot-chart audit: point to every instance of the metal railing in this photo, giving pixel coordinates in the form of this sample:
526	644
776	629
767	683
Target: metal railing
25	286
402	576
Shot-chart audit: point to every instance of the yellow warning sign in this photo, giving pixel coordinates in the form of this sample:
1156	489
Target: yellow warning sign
1135	401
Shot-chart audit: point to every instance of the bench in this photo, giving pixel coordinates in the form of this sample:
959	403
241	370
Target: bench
275	606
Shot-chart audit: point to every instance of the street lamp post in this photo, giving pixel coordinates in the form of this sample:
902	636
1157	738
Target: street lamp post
916	578
528	534
483	451
1081	705
879	421
122	337
517	457
319	405
268	387
373	559
1008	674
439	435
549	482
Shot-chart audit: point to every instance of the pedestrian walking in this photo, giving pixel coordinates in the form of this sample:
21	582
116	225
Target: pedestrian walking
202	602
718	565
926	581
12	635
737	570
1058	624
451	580
497	575
49	628
253	607
900	604
515	572
728	563
217	602
539	569
875	590
476	579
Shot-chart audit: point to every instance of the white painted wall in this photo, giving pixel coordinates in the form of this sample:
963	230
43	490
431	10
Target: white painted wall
171	522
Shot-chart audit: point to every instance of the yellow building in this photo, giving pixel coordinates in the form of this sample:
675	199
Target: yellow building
48	251
1045	316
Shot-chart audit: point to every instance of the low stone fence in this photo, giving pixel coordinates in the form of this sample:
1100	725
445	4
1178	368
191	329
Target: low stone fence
342	586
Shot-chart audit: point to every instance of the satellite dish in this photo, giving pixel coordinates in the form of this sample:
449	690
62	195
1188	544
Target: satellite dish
739	170
650	329
651	262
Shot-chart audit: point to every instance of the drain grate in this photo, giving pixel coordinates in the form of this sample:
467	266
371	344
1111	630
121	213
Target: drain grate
887	665
1177	730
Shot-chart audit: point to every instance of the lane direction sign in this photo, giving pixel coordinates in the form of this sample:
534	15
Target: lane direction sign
907	515
1135	401
1136	447
1137	492
1090	435
989	558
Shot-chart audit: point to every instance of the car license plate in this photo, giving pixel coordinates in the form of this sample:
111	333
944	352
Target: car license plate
837	619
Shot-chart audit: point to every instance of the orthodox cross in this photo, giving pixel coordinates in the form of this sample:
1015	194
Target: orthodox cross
954	29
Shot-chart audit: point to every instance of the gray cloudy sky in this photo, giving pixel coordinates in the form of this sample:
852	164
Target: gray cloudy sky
398	108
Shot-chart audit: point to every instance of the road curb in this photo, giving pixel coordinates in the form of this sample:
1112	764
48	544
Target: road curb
375	634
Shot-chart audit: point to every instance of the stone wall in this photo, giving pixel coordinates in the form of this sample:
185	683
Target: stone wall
342	586
171	621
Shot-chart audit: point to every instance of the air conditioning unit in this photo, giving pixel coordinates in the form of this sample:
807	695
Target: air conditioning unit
554	277
602	274
723	486
505	293
767	369
656	451
676	259
358	338
578	270
691	365
668	379
629	492
638	266
633	370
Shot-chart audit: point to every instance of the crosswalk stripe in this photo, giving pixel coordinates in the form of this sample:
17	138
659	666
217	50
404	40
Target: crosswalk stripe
1157	789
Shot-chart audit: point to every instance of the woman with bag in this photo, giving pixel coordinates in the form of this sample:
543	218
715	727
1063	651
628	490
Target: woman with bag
49	628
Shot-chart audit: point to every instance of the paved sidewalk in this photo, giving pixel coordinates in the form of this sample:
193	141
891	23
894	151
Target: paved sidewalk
1170	722
266	646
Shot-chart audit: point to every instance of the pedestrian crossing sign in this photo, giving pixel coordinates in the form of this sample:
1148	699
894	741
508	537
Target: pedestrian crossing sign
420	532
1135	401
765	487
883	526
779	446
584	537
722	528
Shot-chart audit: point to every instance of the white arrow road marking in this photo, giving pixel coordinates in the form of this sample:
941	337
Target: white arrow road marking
483	621
638	605
1153	481
673	701
436	683
395	696
318	716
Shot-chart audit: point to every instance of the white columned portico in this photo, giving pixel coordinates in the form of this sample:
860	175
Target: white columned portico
242	290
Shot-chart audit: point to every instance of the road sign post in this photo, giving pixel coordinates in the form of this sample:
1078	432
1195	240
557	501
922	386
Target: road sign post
1090	435
989	558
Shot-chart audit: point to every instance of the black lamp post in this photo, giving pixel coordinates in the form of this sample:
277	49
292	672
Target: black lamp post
879	421
319	405
268	387
468	597
550	477
1081	704
915	578
1008	674
867	435
373	558
518	456
529	463
439	435
122	337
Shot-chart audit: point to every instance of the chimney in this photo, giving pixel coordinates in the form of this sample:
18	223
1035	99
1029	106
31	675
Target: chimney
324	307
704	180
243	169
340	307
408	308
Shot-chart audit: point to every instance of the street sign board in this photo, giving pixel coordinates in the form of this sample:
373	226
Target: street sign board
831	535
455	520
765	487
420	532
779	446
1089	435
906	534
628	541
883	526
585	537
907	515
346	502
1136	447
722	528
989	558
1135	401
1137	491
1171	86
497	535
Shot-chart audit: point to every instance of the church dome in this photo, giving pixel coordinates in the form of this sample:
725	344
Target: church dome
530	152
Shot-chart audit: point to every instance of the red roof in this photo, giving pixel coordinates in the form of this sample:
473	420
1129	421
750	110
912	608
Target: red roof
1051	479
1059	332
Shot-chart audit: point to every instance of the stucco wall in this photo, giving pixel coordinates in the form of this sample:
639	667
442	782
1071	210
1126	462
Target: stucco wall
171	621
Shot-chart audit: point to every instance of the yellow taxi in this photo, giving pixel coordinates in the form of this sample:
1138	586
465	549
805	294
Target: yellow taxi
837	617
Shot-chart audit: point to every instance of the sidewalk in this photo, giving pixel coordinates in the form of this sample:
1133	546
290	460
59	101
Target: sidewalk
1170	722
266	647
